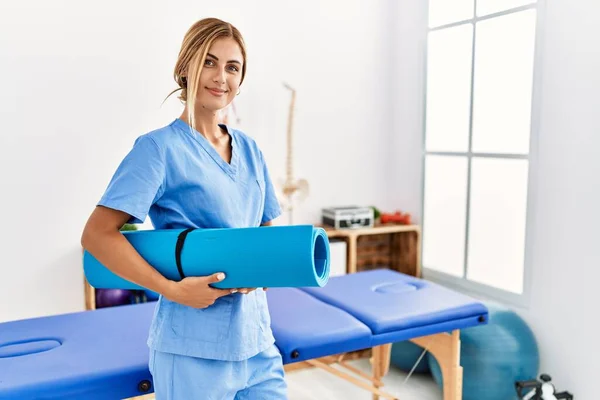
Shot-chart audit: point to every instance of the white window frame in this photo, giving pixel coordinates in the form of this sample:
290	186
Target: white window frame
476	289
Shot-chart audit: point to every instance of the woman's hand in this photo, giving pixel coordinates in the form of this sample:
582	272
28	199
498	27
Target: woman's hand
245	290
196	292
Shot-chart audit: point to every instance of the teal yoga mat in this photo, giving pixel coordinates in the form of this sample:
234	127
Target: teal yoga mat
268	256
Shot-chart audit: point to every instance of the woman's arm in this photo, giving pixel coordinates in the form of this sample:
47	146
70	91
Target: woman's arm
102	238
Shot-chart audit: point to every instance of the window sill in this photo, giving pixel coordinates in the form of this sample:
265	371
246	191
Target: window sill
477	290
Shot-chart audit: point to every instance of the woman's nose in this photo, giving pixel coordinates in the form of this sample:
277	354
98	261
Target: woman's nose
220	76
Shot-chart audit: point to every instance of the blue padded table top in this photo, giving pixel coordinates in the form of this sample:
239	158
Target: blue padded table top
74	355
363	310
306	328
388	301
103	353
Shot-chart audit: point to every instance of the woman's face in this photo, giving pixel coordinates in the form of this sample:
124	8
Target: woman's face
221	75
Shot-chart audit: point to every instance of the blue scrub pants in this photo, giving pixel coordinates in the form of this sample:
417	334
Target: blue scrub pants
178	377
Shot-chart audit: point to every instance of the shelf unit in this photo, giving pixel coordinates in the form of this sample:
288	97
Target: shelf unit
393	246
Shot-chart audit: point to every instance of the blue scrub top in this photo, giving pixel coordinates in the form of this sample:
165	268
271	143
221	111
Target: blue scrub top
176	177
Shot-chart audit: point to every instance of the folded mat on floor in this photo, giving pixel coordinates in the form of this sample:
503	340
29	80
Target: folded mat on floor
269	256
103	353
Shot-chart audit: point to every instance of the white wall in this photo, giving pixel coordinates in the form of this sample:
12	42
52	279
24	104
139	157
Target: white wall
565	255
405	152
80	81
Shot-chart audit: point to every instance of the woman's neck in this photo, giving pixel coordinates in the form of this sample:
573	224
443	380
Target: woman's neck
206	124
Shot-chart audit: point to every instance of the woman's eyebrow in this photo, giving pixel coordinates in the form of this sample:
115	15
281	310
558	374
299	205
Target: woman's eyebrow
230	61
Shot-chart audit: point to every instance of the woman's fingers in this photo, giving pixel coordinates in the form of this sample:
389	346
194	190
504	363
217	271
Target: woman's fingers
246	290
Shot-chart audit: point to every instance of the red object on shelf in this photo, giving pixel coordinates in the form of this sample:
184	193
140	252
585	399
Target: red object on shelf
397	218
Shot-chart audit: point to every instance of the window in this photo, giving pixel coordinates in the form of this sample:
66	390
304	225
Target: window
478	119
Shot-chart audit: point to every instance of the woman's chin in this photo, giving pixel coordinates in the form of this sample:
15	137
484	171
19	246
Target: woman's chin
213	105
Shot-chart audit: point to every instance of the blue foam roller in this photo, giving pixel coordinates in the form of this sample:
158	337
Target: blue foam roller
268	256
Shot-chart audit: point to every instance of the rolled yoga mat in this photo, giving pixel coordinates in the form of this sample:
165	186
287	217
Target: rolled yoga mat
268	256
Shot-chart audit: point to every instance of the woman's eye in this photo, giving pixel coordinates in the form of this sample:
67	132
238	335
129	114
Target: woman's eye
233	68
208	62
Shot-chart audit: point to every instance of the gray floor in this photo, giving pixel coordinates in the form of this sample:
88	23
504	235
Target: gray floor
313	383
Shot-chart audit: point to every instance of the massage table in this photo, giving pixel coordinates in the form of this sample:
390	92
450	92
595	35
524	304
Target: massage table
102	354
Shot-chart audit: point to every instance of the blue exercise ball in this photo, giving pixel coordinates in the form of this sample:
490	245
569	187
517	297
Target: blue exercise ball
404	356
495	356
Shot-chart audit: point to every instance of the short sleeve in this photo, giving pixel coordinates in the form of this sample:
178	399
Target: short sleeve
272	208
138	181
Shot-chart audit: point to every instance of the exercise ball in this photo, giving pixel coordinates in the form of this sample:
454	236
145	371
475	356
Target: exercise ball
112	297
494	356
405	355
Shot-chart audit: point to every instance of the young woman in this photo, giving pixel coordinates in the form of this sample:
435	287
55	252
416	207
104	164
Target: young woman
205	343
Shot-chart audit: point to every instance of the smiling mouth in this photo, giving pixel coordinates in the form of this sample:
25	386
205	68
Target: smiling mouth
217	92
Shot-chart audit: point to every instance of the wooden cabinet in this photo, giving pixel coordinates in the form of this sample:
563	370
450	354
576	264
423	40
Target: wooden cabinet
397	247
89	295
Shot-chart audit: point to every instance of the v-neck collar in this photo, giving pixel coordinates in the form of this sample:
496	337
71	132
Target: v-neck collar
229	168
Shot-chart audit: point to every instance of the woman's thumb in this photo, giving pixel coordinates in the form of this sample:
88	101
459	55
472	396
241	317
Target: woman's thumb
217	277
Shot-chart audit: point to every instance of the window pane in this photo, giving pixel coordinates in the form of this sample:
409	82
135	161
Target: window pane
442	12
445	214
485	7
449	88
497	222
504	53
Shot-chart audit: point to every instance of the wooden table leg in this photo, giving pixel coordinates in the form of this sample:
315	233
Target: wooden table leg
446	349
351	254
380	362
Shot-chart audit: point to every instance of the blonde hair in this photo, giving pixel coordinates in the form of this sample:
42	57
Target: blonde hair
192	55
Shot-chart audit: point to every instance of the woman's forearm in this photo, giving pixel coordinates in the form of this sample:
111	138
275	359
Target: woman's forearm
115	252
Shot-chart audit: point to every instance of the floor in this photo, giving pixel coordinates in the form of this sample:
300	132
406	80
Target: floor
315	384
309	384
